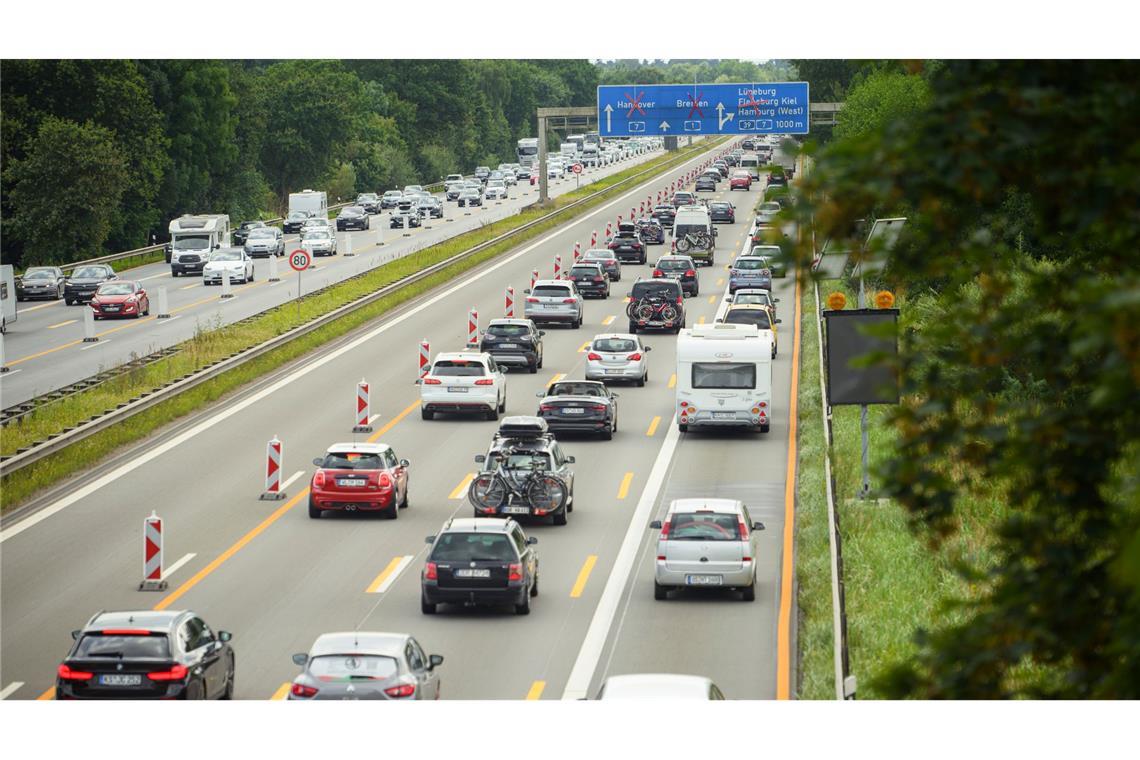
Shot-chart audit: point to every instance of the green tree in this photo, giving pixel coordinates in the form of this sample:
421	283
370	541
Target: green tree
438	161
881	99
66	191
1019	382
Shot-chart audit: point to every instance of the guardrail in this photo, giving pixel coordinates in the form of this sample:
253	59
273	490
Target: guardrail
148	399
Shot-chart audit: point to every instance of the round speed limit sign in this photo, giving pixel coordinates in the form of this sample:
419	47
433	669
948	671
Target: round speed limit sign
300	260
577	168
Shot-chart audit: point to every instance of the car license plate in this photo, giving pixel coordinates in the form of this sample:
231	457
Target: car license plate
110	308
351	482
704	580
515	511
613	371
508	345
724	415
120	679
573	410
456	389
476	572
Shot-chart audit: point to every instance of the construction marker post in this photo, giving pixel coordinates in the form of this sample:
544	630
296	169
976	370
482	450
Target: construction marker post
3	365
425	358
594	239
473	328
363	408
227	286
274	275
510	303
163	304
609	231
273	490
558	266
380	232
348	245
89	335
152	555
533	278
577	251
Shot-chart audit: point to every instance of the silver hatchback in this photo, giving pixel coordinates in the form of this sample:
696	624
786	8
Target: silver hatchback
618	356
706	543
554	301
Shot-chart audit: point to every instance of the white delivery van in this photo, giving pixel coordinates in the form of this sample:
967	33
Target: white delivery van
724	377
7	296
694	234
193	237
315	203
752	164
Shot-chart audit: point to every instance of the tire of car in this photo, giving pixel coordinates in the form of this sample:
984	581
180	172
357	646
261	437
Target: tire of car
314	512
392	512
748	594
503	405
425	414
534	586
228	691
660	593
763	428
59	293
560	517
684	428
524	607
426	607
404	503
632	328
69	302
493	413
532	368
640	382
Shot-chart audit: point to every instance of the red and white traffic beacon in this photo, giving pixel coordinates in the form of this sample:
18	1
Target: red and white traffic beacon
152	554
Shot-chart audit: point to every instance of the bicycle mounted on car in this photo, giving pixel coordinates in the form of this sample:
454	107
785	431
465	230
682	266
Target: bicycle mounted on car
516	478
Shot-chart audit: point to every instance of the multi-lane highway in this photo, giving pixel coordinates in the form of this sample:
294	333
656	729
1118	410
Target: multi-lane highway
44	348
277	579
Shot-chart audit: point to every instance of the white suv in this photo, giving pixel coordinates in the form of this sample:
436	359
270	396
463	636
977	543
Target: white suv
464	382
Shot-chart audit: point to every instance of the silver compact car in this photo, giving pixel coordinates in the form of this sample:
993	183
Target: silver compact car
265	241
366	665
554	301
706	543
618	356
659	686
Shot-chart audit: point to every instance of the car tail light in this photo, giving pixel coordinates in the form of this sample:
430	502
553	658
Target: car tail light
531	299
385	481
176	673
593	357
403	690
660	557
485	381
67	674
690	273
743	533
658	273
681	299
598	407
432	381
634	357
598	279
665	531
684	404
568	300
762	404
637	245
430	572
514	571
319	479
546	407
301	690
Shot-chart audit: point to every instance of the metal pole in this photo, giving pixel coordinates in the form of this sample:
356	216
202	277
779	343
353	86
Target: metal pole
298	294
543	188
865	492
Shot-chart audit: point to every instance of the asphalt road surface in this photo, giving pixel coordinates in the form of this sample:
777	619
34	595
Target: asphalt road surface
277	579
44	348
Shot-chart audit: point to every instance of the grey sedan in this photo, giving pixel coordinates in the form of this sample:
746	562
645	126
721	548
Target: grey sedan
366	665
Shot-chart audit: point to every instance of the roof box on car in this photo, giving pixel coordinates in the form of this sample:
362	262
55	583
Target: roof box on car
523	427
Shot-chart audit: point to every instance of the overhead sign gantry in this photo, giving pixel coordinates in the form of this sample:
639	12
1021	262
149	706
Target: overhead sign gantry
703	109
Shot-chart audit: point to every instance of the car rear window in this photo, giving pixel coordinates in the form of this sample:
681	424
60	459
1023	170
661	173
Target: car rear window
773	207
352	667
126	647
752	298
508	331
614	345
750	265
551	291
673	264
726	375
757	317
704	526
588	271
575	389
116	289
474	547
458	368
352	460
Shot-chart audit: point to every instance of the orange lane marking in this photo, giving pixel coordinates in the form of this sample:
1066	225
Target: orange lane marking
784	626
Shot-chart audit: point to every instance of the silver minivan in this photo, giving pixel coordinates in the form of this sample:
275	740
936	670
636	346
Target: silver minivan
706	543
554	301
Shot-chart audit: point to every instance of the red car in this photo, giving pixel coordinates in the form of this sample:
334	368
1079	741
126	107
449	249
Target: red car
120	298
742	180
359	476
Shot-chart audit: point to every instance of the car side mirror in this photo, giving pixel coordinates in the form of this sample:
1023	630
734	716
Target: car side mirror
541	333
317	461
75	634
615	395
300	659
775	300
527	291
429	539
758	525
571	460
647	349
434	661
779	321
418	380
224	636
540	394
405	463
531	541
480	458
655	525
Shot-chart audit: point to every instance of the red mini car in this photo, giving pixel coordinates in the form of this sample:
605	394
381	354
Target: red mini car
359	476
120	298
742	180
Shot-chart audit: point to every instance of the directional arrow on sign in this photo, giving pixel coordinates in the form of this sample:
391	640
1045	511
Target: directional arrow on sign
609	110
663	126
721	117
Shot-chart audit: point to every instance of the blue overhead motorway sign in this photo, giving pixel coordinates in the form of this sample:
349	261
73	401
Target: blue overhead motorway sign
779	108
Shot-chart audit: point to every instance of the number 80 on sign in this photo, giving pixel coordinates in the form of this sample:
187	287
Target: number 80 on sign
300	260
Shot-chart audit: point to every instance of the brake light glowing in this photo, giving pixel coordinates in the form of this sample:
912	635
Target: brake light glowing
514	571
485	381
430	572
176	673
690	273
403	690
67	674
593	357
432	381
301	690
658	273
319	479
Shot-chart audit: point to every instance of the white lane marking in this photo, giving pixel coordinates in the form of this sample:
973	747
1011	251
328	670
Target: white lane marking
224	414
156	276
387	584
174	568
9	373
25	310
373	418
593	644
100	342
10	689
292	478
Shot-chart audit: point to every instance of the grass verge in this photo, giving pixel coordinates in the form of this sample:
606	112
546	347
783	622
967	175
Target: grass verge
214	345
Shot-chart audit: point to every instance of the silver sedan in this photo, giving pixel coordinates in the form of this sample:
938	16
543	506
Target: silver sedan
618	356
366	665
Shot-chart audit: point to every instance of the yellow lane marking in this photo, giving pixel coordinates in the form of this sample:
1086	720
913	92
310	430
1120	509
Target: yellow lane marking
582	348
282	692
701	320
623	490
653	426
49	694
536	690
607	320
555	379
673	380
720	281
192	285
461	489
784	625
583	576
712	299
63	324
383	576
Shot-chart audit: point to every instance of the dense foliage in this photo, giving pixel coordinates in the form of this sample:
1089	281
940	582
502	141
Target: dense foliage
1021	379
99	155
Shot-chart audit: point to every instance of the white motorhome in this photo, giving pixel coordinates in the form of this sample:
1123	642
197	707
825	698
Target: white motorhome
7	296
315	203
724	377
527	151
193	237
569	151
